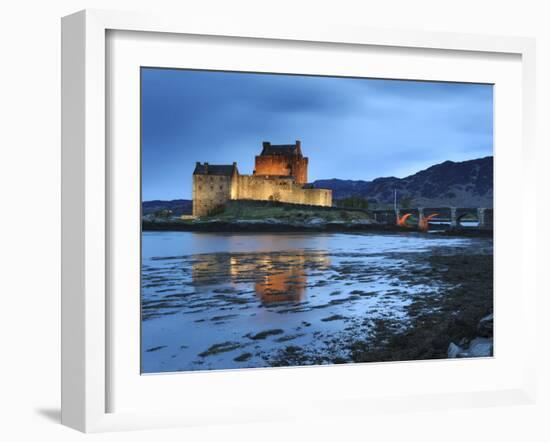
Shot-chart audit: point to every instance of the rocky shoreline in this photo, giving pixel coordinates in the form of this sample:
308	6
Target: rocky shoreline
481	346
310	225
454	317
462	314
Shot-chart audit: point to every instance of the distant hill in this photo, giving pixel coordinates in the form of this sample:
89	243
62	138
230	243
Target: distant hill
178	207
459	184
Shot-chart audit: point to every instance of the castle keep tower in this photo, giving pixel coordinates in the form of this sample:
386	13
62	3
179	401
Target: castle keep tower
280	175
212	186
282	160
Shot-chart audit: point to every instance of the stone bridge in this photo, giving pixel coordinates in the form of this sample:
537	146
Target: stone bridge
420	217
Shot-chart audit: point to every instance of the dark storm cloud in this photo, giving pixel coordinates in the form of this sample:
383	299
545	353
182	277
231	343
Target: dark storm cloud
350	128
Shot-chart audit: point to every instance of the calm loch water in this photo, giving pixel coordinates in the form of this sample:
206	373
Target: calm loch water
223	301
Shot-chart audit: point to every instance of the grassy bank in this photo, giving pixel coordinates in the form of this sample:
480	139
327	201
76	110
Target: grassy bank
262	210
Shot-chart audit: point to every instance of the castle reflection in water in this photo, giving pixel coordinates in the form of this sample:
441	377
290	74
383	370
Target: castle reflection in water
275	277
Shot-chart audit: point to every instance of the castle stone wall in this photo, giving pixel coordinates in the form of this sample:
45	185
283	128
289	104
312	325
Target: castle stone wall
252	187
210	192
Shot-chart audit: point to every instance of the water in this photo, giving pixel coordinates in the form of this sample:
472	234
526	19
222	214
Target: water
462	223
221	301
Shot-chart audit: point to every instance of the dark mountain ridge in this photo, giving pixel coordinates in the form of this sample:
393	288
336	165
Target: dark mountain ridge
460	184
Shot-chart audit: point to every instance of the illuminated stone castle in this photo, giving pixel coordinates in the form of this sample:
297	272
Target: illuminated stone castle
280	174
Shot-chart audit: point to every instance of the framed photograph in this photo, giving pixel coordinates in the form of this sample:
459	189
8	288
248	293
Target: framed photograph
264	222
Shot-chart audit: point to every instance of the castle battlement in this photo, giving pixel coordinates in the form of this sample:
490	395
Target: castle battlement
280	174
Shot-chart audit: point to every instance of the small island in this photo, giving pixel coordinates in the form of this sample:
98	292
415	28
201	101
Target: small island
277	198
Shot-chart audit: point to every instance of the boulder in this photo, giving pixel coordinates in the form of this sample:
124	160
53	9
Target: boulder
485	326
315	221
454	350
480	347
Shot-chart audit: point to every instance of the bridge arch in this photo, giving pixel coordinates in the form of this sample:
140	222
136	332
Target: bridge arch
424	221
467	218
452	217
402	220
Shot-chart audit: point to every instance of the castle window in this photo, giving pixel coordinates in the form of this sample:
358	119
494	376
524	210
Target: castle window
220	187
200	187
211	187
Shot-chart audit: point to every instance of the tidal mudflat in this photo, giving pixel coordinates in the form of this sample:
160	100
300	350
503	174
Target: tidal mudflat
225	301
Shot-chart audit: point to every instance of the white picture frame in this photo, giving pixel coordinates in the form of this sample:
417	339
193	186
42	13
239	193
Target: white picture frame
86	213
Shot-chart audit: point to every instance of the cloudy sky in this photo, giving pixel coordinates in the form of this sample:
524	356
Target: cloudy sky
357	129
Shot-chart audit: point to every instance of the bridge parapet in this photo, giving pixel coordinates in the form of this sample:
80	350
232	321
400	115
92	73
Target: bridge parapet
423	215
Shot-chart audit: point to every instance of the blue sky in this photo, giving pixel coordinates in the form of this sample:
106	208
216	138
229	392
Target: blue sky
357	129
